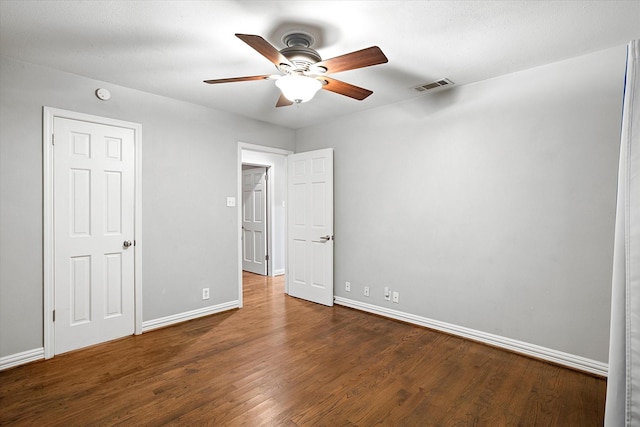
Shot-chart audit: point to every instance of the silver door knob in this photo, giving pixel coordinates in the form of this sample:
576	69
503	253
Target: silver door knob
126	243
325	238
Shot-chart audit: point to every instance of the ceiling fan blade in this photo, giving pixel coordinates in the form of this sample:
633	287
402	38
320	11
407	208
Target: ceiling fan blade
265	49
350	61
238	79
283	101
345	89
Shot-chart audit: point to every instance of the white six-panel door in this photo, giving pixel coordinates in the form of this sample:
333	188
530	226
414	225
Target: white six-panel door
310	226
93	225
254	222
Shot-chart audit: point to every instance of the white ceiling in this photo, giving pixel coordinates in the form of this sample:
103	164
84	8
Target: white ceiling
169	47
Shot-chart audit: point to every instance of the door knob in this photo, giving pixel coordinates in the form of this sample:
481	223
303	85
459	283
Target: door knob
325	238
126	243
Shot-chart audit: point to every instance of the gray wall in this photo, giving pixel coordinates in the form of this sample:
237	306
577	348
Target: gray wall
488	206
189	168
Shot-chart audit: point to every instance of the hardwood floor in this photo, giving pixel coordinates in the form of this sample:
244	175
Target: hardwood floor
280	361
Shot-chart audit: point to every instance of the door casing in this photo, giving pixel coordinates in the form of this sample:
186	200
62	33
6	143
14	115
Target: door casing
48	220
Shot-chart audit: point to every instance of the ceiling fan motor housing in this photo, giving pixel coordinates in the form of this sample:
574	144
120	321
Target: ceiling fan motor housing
299	50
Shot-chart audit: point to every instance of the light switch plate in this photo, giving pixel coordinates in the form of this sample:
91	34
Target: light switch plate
231	201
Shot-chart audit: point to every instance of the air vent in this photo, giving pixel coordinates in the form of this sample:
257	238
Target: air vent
430	86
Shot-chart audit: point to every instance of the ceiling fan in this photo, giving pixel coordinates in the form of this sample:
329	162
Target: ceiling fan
303	70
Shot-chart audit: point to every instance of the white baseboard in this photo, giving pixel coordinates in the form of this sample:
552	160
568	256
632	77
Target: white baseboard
279	272
150	325
17	359
554	356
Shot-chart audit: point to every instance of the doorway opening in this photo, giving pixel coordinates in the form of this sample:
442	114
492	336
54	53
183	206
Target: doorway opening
255	219
274	162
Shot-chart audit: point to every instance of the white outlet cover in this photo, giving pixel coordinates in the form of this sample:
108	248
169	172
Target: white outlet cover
231	201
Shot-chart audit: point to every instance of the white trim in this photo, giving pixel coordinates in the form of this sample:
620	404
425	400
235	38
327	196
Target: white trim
48	226
261	149
162	322
278	272
137	231
547	354
22	358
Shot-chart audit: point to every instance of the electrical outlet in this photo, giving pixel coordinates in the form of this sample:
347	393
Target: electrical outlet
366	291
387	293
205	293
396	297
347	286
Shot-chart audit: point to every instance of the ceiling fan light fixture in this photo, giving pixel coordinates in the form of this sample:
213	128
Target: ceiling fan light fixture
303	71
297	88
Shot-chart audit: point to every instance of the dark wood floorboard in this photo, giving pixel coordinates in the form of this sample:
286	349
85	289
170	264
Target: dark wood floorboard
280	361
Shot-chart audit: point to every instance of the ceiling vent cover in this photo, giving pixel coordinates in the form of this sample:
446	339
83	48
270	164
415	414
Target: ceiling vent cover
430	86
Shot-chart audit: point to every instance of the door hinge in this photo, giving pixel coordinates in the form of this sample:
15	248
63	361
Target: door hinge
266	257
53	139
266	177
54	315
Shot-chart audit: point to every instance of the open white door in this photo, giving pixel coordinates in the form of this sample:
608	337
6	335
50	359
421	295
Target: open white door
254	220
310	226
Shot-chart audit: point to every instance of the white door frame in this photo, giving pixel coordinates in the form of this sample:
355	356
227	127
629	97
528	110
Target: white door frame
261	149
48	221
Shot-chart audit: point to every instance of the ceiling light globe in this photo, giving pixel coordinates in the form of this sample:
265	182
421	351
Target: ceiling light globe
298	88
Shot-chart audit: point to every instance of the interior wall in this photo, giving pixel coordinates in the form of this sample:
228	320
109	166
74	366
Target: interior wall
488	206
189	168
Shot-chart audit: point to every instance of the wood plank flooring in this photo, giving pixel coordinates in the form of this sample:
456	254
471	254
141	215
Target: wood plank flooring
280	361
